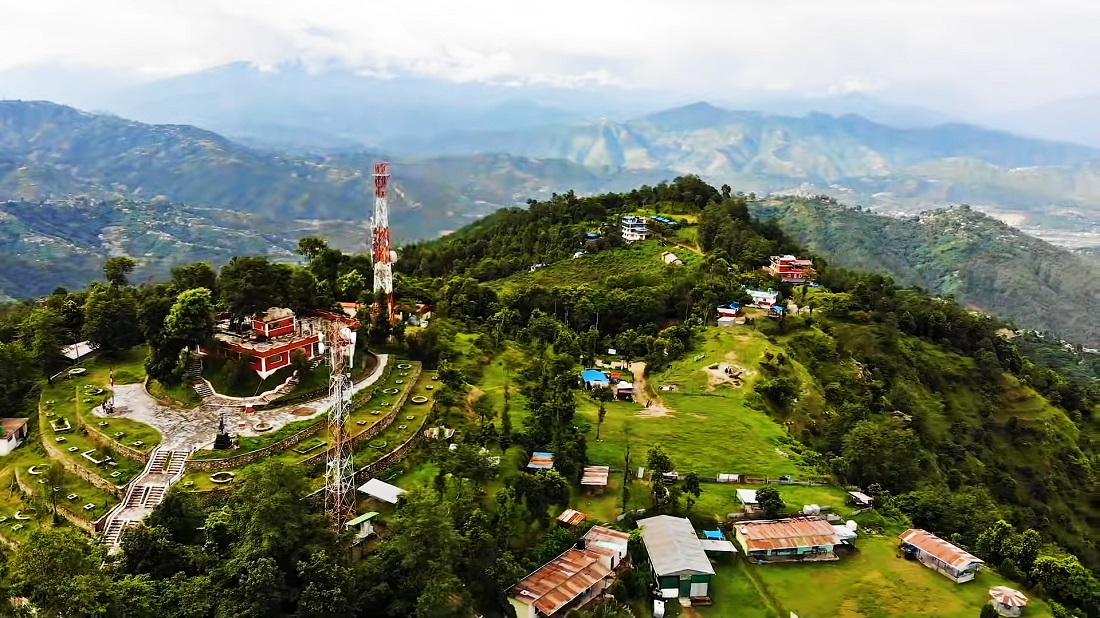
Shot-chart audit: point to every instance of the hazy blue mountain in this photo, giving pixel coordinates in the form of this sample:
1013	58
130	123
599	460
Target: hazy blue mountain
1075	120
857	103
241	99
704	139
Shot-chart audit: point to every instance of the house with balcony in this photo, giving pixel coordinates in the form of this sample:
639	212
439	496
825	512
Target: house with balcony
634	228
791	269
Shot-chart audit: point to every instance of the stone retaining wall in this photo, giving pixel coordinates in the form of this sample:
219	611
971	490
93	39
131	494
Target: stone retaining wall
55	454
377	428
104	441
73	517
393	457
211	465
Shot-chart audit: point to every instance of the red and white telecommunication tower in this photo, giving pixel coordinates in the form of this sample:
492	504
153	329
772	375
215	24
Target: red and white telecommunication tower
339	468
380	230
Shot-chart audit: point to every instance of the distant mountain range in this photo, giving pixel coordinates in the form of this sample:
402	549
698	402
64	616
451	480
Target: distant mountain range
980	261
1049	188
77	187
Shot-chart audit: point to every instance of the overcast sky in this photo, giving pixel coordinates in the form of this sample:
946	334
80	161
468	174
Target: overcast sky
940	53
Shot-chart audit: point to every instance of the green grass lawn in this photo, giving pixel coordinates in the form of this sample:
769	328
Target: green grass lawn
874	582
32	454
735	594
394	436
214	369
127	468
11	501
181	395
67	398
720	499
640	260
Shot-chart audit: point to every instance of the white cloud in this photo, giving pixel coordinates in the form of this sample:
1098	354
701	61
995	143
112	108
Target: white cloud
988	52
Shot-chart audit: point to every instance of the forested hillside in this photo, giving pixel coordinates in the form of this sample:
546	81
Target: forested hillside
975	259
886	386
928	406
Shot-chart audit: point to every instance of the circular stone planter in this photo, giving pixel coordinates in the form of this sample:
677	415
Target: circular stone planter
419	399
391	391
223	477
34	470
399	381
404	366
263	426
378	444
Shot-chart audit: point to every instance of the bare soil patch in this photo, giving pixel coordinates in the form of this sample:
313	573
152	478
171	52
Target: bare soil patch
728	372
644	394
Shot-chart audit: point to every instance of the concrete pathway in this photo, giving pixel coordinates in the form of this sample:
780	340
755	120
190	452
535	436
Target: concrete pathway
190	430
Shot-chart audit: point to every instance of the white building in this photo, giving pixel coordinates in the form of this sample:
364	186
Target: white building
680	563
15	432
763	299
635	228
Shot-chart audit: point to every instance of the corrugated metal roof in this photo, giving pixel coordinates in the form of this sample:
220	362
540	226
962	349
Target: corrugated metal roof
571	517
786	534
595	475
716	545
377	488
941	549
606	536
746	496
561	580
542	461
860	496
673	546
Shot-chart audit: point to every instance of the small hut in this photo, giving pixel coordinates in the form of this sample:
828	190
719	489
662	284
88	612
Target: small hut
1007	601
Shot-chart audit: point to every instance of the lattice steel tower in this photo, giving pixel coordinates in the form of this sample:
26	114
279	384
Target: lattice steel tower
380	231
339	468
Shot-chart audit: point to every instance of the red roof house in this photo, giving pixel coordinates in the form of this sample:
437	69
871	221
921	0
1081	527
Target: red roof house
791	269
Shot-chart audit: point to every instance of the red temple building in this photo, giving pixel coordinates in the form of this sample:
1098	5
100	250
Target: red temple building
791	269
276	337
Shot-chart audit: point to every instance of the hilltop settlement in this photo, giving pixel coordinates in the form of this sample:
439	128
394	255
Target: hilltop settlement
647	403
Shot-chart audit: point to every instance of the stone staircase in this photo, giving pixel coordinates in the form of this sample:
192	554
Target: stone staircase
194	371
144	494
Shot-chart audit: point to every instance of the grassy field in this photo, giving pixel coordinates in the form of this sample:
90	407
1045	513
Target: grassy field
32	454
736	595
712	428
637	260
720	499
120	474
67	398
874	582
394	435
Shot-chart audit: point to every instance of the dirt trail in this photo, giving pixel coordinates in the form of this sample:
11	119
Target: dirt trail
643	394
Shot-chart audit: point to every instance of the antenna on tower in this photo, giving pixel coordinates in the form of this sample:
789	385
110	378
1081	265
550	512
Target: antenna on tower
380	231
339	468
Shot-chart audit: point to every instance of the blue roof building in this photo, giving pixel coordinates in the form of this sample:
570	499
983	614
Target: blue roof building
594	377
